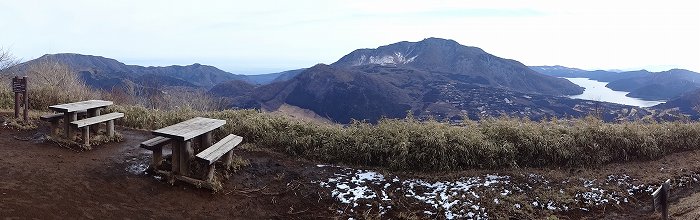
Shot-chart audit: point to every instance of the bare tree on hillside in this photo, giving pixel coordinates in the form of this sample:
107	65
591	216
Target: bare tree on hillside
54	83
6	60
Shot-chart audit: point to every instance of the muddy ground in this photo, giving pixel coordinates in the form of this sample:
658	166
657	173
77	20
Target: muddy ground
42	180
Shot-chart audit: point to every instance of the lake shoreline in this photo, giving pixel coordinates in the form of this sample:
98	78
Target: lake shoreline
597	91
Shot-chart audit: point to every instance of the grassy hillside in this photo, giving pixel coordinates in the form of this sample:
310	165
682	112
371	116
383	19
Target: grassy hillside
407	144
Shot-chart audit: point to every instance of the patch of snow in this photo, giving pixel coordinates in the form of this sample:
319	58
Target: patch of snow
364	186
393	59
136	167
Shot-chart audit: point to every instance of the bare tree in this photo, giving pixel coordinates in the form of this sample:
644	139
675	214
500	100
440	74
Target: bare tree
54	83
6	60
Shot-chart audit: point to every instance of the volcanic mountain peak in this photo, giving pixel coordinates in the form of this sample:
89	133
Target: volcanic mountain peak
469	64
404	52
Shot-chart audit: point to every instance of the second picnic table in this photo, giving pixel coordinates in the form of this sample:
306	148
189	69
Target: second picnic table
182	134
70	112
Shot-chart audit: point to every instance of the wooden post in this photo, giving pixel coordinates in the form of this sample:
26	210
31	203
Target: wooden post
185	157
228	157
69	117
19	87
206	140
175	159
54	127
86	135
190	149
210	173
97	113
157	157
110	128
660	197
26	100
16	98
91	113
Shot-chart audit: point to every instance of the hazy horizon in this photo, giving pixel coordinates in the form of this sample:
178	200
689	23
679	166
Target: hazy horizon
266	36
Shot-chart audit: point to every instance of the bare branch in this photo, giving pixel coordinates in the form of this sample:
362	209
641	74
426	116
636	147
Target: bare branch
6	60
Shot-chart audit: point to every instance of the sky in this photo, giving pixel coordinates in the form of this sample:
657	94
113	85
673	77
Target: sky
261	36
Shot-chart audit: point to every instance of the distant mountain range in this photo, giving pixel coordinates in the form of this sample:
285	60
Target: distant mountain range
598	75
642	84
263	79
111	75
373	91
433	78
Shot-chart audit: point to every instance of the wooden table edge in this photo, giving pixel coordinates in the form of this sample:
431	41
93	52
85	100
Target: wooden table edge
107	103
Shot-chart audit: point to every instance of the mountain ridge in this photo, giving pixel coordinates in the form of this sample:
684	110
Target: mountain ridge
447	56
664	85
101	70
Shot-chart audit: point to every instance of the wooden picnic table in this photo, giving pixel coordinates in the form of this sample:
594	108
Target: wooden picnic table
70	111
182	134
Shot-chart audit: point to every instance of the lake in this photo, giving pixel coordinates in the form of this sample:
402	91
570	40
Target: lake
596	91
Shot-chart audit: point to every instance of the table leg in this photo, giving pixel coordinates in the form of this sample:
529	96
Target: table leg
157	158
86	136
190	149
92	113
228	158
175	159
185	157
110	128
54	128
69	117
210	172
206	140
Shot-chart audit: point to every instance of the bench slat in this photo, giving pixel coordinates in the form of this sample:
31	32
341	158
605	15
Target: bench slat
97	119
213	153
155	143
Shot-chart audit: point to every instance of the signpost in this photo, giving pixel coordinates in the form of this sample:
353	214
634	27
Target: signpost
660	197
19	87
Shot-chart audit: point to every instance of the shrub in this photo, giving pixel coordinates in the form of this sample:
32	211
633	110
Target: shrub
52	83
406	144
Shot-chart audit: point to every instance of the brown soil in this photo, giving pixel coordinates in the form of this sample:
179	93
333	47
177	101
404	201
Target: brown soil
45	181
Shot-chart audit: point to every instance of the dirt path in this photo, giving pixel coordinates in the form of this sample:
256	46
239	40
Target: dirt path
45	181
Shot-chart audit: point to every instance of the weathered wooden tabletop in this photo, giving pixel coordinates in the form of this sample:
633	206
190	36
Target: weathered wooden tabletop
79	106
189	129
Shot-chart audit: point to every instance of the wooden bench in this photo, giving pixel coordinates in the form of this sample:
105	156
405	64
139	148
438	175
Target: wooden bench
54	118
85	124
224	147
70	111
156	145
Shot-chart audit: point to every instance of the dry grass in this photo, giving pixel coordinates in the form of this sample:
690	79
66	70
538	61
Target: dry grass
50	83
238	162
398	144
406	144
20	124
173	98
